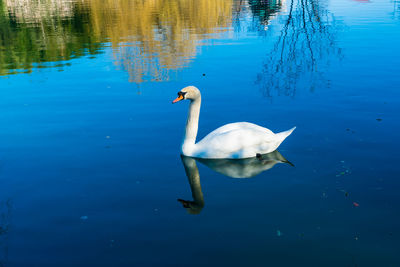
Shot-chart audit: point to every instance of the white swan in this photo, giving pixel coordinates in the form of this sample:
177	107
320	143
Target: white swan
233	140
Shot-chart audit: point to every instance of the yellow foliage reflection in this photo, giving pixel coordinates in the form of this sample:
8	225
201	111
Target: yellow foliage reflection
151	38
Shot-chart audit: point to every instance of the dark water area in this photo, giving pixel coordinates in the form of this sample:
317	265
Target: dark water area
90	166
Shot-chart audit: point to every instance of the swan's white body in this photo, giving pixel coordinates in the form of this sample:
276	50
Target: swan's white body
233	140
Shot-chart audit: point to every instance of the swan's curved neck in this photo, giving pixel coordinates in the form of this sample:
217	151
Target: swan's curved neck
192	126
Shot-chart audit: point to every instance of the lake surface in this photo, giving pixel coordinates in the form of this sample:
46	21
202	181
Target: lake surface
90	165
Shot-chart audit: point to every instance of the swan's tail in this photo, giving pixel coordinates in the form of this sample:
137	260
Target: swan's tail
282	135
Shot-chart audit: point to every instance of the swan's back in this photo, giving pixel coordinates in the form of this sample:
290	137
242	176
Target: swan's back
238	140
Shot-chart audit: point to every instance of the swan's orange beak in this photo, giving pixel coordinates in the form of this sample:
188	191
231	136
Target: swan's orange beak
179	98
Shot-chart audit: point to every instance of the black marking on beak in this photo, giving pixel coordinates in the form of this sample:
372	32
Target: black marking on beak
180	93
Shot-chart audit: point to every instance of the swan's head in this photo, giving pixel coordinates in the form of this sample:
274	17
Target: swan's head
189	92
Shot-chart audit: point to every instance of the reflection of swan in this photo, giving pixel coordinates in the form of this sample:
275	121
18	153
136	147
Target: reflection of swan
245	168
192	172
236	168
233	140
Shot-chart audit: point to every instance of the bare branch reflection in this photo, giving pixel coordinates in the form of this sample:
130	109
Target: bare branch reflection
303	50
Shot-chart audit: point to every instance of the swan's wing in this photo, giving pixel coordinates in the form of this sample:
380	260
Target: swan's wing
236	126
236	140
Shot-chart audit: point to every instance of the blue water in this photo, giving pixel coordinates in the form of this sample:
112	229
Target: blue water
90	166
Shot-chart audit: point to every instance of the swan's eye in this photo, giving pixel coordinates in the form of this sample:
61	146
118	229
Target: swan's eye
182	94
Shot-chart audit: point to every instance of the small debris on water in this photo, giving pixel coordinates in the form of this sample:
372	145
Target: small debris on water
355	204
278	233
84	218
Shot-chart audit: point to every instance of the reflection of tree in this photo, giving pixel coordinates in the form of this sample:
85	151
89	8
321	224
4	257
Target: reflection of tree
301	53
36	32
5	221
264	10
150	38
